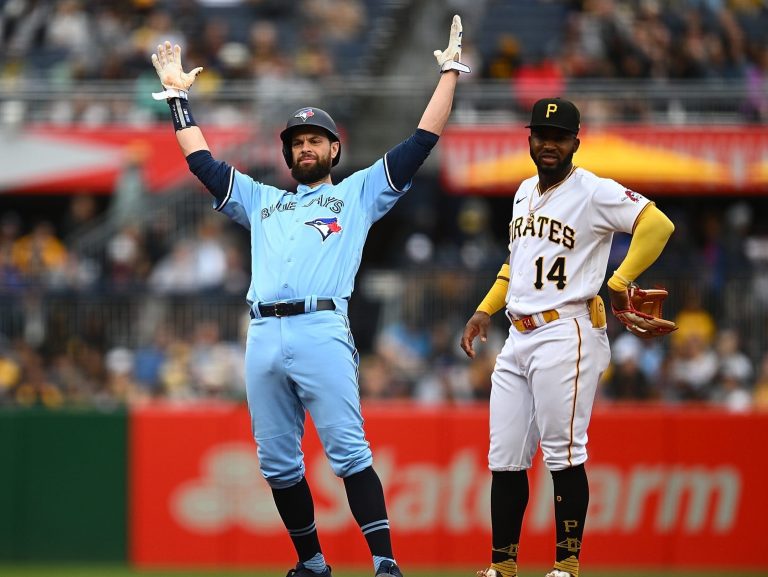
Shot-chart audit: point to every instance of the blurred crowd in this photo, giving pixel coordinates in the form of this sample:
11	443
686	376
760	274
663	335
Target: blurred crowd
647	39
131	324
700	363
272	44
209	260
283	46
56	349
653	41
642	39
92	40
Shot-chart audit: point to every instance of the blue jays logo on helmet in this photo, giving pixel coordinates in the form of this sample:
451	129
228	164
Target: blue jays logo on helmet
304	113
325	226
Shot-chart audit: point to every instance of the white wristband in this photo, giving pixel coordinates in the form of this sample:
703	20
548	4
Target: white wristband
453	65
170	93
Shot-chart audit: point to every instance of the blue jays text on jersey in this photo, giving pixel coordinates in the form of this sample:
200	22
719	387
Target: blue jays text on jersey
333	203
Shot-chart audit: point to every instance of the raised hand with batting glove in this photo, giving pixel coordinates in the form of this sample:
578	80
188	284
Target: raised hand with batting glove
450	58
167	63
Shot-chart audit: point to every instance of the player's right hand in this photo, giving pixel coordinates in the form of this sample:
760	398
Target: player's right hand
476	326
167	63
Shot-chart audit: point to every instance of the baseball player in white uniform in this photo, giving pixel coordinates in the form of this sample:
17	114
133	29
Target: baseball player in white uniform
546	375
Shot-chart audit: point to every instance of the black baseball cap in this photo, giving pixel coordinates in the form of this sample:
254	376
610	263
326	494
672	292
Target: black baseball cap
557	113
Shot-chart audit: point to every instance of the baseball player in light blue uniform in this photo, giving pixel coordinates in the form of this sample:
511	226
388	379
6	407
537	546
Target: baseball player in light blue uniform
306	249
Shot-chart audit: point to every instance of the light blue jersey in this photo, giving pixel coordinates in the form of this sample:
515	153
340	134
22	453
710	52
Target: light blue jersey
306	245
309	242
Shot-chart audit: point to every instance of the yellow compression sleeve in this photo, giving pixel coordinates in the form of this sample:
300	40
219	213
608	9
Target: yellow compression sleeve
652	230
496	298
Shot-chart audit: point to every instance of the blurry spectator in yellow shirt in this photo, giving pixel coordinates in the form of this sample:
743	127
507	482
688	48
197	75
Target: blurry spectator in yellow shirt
39	254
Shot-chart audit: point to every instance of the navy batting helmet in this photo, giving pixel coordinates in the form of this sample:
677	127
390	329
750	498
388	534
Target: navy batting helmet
309	116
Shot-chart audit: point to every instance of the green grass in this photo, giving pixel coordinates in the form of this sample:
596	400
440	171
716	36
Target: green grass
122	571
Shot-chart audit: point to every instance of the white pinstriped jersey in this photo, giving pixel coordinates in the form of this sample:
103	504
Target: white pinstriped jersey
561	256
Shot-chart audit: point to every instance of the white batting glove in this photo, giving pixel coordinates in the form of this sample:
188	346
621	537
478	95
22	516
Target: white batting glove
449	58
167	63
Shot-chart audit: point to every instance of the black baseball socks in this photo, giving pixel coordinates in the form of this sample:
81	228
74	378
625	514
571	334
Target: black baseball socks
571	501
509	498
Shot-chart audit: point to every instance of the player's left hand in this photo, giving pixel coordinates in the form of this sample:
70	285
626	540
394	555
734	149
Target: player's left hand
476	326
167	63
449	59
640	311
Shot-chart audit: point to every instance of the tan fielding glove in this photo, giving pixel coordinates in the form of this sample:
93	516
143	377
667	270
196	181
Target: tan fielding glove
640	311
167	63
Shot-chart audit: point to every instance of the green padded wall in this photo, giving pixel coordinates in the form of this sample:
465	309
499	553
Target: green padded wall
63	485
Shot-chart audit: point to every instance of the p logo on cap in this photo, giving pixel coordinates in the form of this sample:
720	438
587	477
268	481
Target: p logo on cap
551	108
555	113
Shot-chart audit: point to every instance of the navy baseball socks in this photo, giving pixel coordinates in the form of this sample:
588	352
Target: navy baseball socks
297	511
366	501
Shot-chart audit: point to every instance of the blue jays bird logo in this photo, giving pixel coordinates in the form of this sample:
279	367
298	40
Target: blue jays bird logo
325	226
304	113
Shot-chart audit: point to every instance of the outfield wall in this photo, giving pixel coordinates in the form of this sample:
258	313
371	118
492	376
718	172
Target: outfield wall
63	485
173	485
669	488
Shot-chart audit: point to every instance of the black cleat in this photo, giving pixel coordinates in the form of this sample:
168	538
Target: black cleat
301	571
388	569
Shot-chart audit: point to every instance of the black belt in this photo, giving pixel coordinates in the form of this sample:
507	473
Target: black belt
290	308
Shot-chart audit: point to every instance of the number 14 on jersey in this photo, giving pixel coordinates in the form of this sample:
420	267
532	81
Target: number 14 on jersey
556	273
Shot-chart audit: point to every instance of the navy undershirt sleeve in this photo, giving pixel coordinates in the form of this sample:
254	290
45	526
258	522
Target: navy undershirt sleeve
404	160
214	174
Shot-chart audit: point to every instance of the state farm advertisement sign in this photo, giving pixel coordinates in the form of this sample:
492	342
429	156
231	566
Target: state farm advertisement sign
663	481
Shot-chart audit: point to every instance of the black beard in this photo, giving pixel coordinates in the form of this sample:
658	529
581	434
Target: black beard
558	168
312	173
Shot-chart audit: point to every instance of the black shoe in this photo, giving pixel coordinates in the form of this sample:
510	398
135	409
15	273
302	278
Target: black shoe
388	569
301	571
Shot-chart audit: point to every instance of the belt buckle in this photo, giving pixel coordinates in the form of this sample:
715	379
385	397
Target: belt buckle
282	309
